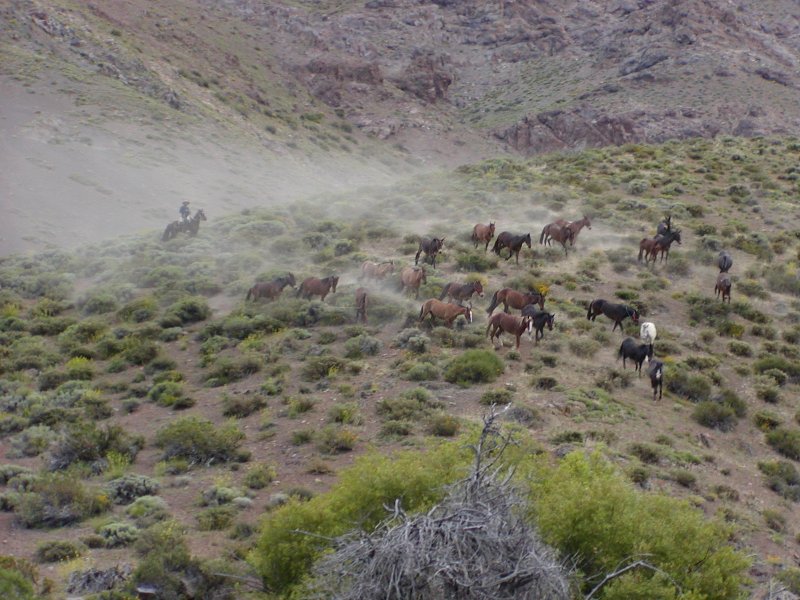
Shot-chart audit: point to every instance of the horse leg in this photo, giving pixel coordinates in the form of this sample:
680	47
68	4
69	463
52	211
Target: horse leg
517	254
416	257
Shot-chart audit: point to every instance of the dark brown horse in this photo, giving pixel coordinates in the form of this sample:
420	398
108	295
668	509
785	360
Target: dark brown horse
724	261
445	311
638	353
318	287
539	319
723	287
361	305
519	300
513	242
562	235
411	278
270	289
431	247
574	226
483	233
373	270
664	226
615	312
461	291
652	247
503	323
190	226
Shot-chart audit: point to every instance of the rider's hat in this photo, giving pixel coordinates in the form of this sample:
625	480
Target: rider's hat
186	202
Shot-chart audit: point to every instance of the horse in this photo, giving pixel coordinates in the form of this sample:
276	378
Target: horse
483	233
616	312
575	227
664	226
503	323
513	242
460	292
650	247
361	305
431	247
723	287
411	278
270	289
648	334
445	311
724	261
508	297
373	270
539	318
656	373
558	233
636	352
190	226
317	287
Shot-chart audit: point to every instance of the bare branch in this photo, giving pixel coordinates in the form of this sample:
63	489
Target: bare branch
639	564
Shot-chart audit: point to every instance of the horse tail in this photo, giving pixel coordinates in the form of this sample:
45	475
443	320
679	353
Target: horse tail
497	247
493	303
444	291
641	249
250	291
541	237
589	312
422	313
619	354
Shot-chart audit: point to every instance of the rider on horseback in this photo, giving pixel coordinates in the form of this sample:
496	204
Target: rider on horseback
185	211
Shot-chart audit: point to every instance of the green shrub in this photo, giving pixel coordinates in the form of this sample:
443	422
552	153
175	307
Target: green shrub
785	441
474	366
396	428
187	310
58	551
164	558
443	425
147	510
58	500
259	476
740	348
584	507
421	371
31	442
170	394
475	261
778	376
242	405
498	396
227	370
300	405
694	387
302	436
199	441
282	558
362	345
125	489
332	439
647	453
320	367
766	420
345	413
118	534
98	304
583	347
782	477
85	442
139	351
216	518
139	310
714	415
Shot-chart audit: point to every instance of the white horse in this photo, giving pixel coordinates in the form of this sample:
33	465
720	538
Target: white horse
648	334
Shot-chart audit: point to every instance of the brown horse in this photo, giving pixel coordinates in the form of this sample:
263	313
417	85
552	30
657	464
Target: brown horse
431	247
361	305
503	323
508	297
317	287
513	242
562	235
575	226
723	287
445	311
411	278
270	289
190	226
483	233
460	292
651	247
373	270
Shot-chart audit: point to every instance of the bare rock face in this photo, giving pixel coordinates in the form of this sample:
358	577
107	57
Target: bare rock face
426	77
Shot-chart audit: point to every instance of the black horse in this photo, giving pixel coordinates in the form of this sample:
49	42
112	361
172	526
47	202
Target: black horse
636	352
513	242
190	226
656	373
664	226
724	261
615	312
540	319
431	247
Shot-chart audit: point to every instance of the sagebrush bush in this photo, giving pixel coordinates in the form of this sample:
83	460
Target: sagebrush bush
118	534
199	441
498	396
421	371
58	500
694	387
332	439
216	518
443	425
242	405
259	476
170	394
227	370
785	441
782	477
147	510
362	345
87	443
474	366
58	551
320	367
714	415
125	489
346	413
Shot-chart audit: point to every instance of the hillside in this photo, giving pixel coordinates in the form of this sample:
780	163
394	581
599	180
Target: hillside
114	113
142	334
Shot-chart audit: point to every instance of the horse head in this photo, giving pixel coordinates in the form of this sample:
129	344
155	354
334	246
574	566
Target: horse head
587	221
634	314
289	278
676	235
527	239
477	287
551	319
201	215
491	228
468	313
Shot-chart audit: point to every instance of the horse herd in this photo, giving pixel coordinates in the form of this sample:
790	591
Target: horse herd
532	319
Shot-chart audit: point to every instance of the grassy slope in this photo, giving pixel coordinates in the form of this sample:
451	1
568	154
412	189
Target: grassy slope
740	193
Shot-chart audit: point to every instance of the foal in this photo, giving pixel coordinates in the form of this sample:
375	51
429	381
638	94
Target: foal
656	373
723	287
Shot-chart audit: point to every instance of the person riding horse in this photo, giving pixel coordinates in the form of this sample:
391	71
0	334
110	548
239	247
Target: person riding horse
185	211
